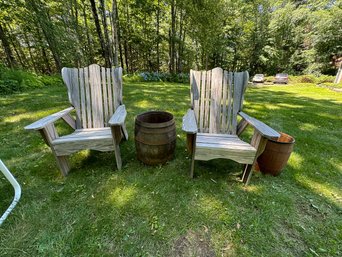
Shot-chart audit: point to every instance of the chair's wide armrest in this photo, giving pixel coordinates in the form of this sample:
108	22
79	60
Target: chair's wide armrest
189	122
263	129
119	116
39	124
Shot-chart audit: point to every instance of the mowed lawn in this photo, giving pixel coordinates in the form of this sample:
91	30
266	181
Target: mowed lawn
159	211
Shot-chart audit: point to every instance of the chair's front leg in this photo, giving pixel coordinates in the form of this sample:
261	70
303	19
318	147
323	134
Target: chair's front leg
117	135
259	142
191	145
49	133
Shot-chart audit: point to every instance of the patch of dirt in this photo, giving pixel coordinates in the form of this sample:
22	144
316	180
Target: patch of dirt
193	244
292	239
310	210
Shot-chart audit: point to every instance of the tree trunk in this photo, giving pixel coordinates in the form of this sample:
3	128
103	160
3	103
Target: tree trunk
105	30
9	55
180	45
79	56
115	33
89	46
172	37
99	33
126	46
16	46
27	42
45	23
158	21
44	54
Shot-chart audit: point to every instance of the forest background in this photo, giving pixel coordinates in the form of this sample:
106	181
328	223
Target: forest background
293	36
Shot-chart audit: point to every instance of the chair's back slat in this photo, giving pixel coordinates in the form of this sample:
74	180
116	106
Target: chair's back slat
117	73
104	93
224	105
96	96
83	102
195	89
207	102
110	93
70	77
95	92
217	97
202	99
229	103
215	100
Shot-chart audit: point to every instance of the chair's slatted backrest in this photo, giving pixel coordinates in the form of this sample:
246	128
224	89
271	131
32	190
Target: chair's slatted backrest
95	92
217	97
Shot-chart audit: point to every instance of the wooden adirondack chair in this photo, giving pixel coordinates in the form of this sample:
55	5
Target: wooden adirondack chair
212	126
95	94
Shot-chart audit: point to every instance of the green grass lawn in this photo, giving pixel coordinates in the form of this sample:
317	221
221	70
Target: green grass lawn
159	211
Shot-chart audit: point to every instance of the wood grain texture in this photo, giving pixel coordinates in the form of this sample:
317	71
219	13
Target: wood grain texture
259	143
229	147
196	85
263	129
207	103
119	116
224	111
215	100
229	103
189	122
96	139
193	152
202	100
110	87
70	120
88	99
104	96
96	96
237	96
118	76
83	99
49	133
39	124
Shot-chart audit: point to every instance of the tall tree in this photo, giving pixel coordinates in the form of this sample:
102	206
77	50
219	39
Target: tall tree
104	51
9	55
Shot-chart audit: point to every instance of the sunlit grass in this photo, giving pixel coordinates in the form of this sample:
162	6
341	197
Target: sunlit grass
159	211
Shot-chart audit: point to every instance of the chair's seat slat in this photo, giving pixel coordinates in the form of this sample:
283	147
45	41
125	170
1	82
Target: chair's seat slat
99	139
213	146
85	135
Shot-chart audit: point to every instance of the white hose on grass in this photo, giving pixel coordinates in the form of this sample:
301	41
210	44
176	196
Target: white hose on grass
17	190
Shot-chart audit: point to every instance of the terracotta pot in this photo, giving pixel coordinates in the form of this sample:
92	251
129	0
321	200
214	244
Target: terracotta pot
276	154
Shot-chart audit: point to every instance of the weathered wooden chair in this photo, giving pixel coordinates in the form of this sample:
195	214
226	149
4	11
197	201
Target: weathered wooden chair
95	94
212	126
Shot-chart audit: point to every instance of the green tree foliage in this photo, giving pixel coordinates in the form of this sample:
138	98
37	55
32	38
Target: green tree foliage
295	36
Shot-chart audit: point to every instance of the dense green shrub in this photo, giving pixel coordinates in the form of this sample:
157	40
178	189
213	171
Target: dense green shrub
325	78
8	86
311	79
269	79
157	76
12	80
302	79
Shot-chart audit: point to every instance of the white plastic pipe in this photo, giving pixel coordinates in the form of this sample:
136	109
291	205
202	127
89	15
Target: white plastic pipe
17	191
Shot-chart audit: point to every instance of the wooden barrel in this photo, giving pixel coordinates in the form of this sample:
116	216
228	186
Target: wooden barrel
276	154
155	137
